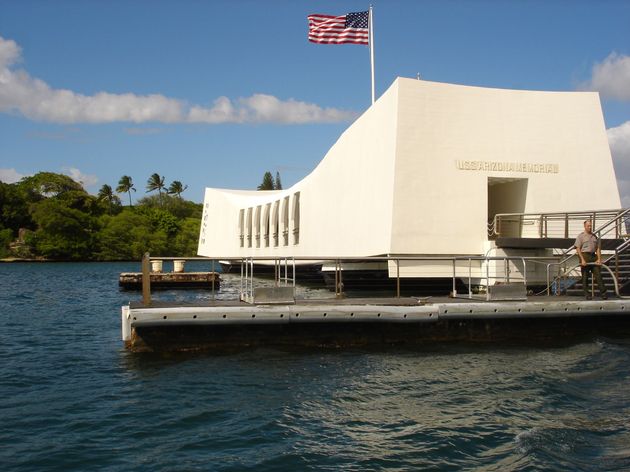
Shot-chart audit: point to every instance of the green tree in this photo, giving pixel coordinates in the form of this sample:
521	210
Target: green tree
106	194
64	222
48	184
6	236
156	182
163	220
277	184
187	238
179	207
177	188
82	201
128	235
62	232
267	182
14	208
125	185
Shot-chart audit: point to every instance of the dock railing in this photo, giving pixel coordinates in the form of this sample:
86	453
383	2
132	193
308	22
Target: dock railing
480	272
563	279
556	224
614	228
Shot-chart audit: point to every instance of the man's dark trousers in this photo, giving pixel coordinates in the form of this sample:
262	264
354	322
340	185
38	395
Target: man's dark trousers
597	273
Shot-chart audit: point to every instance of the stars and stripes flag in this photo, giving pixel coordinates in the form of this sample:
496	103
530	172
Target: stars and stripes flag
347	29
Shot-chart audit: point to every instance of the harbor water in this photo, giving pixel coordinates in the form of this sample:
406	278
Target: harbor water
72	398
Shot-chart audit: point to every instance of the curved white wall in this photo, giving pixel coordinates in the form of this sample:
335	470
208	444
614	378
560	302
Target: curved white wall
398	180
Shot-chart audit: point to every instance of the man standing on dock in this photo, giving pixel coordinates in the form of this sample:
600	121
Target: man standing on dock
589	252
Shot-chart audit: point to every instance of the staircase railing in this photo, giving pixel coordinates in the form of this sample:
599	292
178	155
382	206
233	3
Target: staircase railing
618	226
552	225
565	276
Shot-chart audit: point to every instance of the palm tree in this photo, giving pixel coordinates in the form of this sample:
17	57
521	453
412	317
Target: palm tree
177	188
125	185
107	194
155	182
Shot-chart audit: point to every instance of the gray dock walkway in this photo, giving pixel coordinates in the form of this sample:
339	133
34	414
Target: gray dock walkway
366	321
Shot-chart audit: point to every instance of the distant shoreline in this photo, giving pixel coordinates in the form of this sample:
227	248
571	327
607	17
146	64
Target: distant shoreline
19	259
10	260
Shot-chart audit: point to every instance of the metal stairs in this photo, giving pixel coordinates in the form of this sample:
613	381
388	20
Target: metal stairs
619	263
557	232
615	243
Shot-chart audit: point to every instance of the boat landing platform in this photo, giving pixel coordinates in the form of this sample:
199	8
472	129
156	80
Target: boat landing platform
362	322
170	280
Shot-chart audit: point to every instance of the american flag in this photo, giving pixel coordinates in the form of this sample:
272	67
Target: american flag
347	29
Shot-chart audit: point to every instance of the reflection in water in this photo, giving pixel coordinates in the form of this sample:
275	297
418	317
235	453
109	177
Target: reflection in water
231	287
496	409
71	398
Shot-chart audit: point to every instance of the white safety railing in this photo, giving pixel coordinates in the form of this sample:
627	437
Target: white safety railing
610	229
476	272
557	224
479	271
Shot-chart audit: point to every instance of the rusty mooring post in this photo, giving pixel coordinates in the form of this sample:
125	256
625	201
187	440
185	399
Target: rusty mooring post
146	279
213	277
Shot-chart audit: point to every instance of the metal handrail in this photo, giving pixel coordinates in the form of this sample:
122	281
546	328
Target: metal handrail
505	259
618	249
614	278
494	228
247	268
248	273
614	220
598	231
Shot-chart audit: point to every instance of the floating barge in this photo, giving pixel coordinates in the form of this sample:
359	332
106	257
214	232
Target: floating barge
377	322
177	279
168	280
275	317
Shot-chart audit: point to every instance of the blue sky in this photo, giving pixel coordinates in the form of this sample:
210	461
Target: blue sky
214	93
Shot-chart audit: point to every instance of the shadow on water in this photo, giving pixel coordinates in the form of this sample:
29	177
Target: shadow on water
151	360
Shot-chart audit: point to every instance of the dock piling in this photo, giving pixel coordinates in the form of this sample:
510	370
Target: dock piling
146	280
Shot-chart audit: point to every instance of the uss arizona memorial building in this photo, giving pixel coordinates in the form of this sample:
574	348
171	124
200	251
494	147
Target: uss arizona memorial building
422	172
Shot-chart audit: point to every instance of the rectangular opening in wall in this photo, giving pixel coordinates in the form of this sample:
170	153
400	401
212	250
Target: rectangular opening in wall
295	218
241	227
266	216
506	196
249	227
274	222
285	221
257	225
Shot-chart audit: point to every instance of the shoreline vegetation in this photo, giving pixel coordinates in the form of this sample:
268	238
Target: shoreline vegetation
49	217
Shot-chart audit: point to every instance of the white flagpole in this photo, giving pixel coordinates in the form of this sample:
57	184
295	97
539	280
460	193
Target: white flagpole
371	40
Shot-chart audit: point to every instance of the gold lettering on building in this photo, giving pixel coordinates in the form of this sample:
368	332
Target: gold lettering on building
538	168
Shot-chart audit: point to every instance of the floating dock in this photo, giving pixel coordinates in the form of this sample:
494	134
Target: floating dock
367	322
277	316
152	276
168	280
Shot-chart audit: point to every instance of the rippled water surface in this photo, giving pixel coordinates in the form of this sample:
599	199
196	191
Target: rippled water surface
71	398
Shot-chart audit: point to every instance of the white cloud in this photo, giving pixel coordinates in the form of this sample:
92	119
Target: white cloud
9	52
261	108
9	176
619	140
611	78
33	98
86	180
